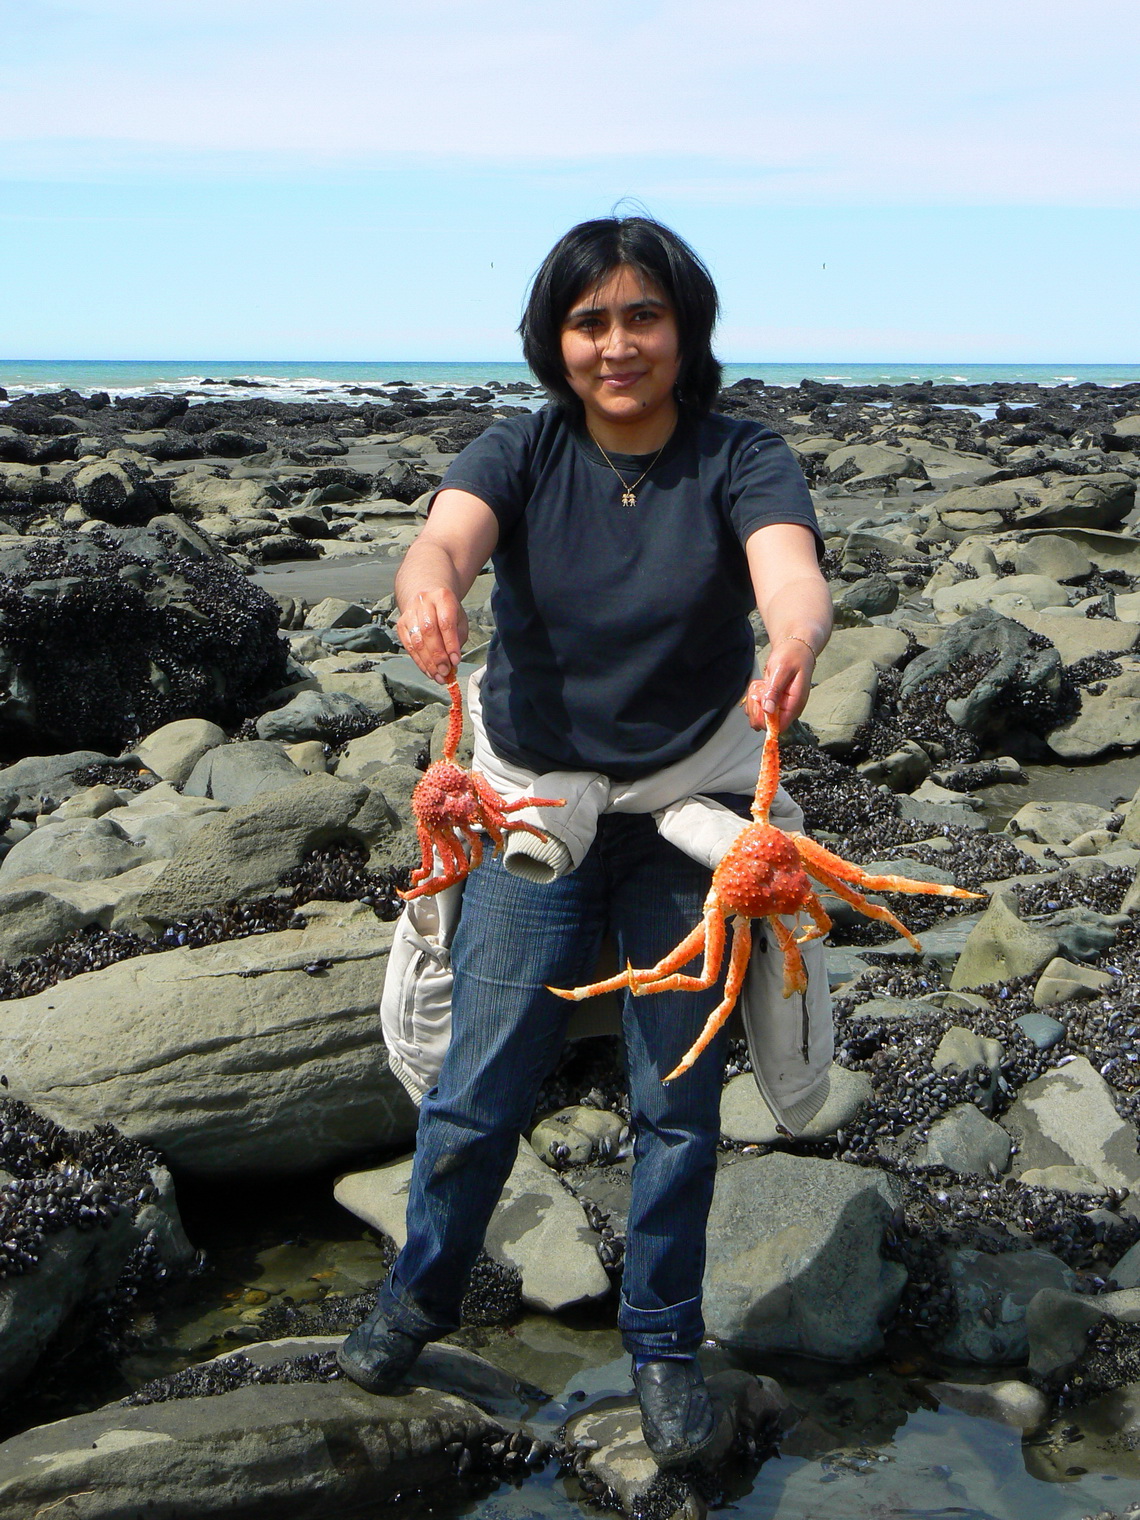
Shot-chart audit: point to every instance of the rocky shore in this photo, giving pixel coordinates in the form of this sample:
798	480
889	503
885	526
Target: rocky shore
203	820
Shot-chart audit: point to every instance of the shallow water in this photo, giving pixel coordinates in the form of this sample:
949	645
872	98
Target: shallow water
364	577
1105	783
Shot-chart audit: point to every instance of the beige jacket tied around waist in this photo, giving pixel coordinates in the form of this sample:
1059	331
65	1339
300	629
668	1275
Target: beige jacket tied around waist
790	1040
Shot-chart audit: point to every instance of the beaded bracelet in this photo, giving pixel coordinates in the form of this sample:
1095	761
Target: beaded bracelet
798	640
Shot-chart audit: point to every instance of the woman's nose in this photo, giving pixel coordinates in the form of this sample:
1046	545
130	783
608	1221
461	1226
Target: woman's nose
619	340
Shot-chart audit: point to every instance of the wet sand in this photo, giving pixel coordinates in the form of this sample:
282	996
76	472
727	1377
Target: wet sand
358	577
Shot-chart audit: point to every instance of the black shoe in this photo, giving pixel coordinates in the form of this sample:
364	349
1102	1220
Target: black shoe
677	1418
376	1357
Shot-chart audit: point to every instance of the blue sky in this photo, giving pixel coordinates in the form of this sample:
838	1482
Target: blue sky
360	179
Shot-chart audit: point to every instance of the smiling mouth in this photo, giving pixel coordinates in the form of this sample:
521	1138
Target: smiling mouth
630	379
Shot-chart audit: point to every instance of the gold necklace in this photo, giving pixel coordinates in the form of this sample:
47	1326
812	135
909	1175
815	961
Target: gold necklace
628	498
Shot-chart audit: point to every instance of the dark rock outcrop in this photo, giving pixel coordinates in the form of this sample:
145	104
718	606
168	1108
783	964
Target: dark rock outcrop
108	634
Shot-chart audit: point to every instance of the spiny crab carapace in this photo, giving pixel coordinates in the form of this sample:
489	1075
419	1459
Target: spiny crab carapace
451	804
763	874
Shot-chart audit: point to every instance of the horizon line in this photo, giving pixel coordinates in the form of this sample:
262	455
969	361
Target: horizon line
942	363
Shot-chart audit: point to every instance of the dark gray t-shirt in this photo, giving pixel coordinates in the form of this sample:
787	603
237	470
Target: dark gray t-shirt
622	635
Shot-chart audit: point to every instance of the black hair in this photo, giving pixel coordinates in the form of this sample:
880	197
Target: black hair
586	256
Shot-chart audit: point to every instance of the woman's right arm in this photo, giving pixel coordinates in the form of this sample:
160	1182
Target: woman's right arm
438	571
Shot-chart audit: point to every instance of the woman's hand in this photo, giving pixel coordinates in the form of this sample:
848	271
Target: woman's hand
433	629
438	570
783	689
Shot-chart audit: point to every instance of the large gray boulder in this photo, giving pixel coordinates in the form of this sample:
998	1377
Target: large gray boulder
744	1116
794	1260
320	715
1049	554
967	1142
886	647
173	750
1104	723
1058	1322
1002	945
398	743
537	1226
1055	823
246	851
1084	501
838	707
260	1055
25	785
209	495
871	467
78	849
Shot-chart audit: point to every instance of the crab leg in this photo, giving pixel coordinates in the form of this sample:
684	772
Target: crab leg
423	870
769	778
822	924
813	854
737	966
454	721
491	800
453	867
795	974
857	900
665	977
690	946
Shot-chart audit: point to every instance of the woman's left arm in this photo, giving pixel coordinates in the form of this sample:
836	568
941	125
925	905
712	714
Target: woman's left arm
795	602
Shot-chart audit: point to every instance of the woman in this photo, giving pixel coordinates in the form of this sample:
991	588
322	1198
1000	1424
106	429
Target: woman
632	532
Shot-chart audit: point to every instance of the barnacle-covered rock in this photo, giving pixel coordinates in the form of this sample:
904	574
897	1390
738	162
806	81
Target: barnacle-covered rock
108	634
77	1212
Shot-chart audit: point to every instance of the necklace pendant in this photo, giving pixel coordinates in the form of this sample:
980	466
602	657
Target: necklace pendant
628	499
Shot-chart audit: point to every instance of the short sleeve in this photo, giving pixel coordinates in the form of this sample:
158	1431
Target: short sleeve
496	468
766	485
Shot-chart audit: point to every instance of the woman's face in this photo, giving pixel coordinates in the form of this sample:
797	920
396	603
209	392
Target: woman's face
621	350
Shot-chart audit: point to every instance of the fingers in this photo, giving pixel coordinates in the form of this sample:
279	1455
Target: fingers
433	629
784	688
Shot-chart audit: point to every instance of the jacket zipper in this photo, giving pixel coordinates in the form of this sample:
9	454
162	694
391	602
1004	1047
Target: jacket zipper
805	1030
411	985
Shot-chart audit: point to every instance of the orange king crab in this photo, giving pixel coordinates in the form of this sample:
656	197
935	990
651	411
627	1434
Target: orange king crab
449	802
763	874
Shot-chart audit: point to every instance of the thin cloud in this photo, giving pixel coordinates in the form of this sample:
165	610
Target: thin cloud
815	102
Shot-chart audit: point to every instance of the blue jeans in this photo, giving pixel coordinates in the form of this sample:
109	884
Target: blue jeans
507	1033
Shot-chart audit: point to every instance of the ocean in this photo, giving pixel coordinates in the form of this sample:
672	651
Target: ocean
302	380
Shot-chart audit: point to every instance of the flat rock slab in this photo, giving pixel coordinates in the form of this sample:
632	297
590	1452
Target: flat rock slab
1076	637
851	646
537	1227
1103	723
246	851
301	1449
256	1055
445	1368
